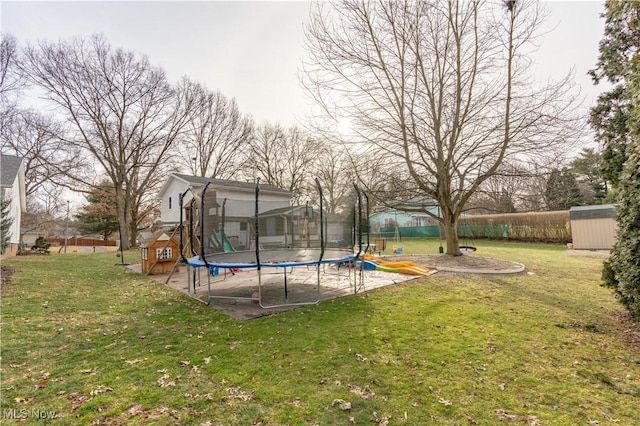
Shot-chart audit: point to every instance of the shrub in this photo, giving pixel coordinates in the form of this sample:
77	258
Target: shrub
549	227
622	271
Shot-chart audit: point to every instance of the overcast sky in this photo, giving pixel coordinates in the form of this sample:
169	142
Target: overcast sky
252	51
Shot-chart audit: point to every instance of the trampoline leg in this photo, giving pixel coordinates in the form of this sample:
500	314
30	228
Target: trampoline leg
286	291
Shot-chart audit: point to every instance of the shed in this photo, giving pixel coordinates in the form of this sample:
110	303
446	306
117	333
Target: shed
593	227
160	254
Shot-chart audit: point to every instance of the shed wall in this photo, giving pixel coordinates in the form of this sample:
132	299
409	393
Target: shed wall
593	234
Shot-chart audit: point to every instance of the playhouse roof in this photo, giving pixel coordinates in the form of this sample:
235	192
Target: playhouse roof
160	235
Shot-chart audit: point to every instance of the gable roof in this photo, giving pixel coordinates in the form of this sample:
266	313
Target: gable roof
197	181
160	235
12	169
9	168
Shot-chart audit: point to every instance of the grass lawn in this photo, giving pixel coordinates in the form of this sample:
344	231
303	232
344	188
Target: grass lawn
98	344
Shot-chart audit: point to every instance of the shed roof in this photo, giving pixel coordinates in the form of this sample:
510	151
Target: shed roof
603	211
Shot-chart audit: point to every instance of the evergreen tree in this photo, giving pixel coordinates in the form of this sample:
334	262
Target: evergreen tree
5	224
620	63
586	168
100	215
562	190
611	114
622	270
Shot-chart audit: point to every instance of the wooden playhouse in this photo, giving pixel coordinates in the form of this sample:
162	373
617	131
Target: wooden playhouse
160	253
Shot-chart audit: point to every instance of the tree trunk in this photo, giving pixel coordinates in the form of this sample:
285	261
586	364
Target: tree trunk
124	219
133	233
123	229
450	225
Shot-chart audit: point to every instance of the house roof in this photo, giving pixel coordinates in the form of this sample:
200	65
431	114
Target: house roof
12	170
197	181
9	168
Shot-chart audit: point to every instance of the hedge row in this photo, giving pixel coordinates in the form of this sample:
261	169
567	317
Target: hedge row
552	227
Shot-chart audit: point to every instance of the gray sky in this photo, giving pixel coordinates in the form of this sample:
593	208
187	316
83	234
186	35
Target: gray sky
251	51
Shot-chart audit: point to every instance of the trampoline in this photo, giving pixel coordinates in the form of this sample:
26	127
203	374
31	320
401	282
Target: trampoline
274	258
279	259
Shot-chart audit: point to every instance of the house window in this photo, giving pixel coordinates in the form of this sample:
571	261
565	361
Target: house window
169	203
145	253
164	254
243	226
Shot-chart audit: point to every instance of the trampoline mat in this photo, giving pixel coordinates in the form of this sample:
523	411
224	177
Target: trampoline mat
274	258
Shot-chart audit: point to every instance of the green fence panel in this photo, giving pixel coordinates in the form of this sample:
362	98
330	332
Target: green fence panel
410	232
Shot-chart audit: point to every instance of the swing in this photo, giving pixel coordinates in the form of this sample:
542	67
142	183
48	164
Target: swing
467	247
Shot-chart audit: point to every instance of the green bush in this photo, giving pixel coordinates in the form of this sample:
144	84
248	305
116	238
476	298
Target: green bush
40	244
622	271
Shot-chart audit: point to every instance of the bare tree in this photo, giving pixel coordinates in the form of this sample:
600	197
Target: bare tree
215	142
333	170
440	93
122	112
283	158
37	139
11	79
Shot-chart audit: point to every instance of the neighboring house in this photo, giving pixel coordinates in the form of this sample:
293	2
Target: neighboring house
29	236
390	218
12	187
239	208
280	223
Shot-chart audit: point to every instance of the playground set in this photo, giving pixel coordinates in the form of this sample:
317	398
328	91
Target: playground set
329	248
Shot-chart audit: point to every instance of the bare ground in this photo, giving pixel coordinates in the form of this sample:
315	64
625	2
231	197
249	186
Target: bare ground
439	261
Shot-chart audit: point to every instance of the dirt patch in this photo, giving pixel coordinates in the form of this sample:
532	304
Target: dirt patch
5	276
443	261
631	332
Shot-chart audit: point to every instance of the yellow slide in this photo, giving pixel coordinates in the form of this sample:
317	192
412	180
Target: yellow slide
403	267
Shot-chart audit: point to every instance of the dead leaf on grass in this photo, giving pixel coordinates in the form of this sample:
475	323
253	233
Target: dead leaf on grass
360	358
503	415
342	404
164	381
533	420
443	401
135	410
364	393
77	399
296	402
235	393
100	390
20	400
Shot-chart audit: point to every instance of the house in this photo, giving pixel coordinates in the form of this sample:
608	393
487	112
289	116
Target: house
160	253
409	220
12	187
236	199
